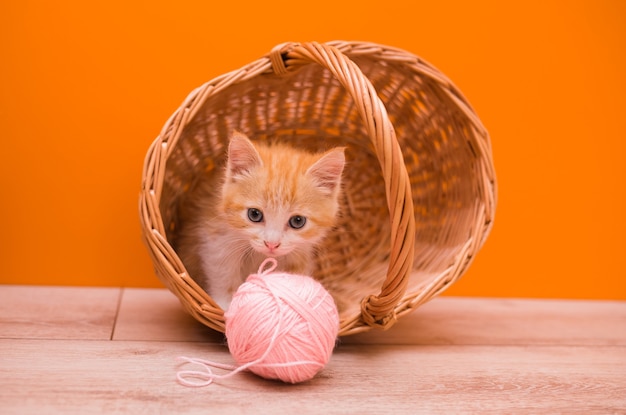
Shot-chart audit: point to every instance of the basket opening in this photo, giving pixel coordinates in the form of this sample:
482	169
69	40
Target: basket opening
310	109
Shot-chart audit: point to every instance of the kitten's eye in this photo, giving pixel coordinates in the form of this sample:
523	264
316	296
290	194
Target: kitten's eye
297	221
255	215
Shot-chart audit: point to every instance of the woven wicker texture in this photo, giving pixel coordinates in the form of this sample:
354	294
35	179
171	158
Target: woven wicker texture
419	186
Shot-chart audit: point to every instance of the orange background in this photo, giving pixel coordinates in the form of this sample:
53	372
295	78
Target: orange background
86	87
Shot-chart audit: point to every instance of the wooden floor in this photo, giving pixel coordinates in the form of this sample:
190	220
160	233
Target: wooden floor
71	350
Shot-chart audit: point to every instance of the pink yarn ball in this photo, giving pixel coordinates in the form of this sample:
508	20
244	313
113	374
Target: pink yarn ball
282	326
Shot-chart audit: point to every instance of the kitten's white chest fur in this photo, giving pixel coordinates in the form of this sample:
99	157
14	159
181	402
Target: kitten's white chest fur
227	261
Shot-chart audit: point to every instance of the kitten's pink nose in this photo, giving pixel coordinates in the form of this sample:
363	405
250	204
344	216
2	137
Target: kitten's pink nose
272	245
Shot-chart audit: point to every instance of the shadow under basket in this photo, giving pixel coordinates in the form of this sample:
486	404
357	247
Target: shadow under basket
419	184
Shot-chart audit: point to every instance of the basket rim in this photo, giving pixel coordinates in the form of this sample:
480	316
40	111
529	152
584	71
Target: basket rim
380	310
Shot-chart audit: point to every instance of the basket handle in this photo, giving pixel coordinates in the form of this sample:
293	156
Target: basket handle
376	310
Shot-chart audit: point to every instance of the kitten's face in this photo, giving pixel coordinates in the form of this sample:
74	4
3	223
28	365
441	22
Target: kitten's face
279	198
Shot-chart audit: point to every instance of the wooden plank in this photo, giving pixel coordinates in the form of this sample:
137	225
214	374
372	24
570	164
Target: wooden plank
477	321
156	314
40	312
71	377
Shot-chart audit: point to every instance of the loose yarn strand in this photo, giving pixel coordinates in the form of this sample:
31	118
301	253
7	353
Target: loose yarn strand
207	376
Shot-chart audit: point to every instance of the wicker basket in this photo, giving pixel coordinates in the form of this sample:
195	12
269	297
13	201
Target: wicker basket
419	183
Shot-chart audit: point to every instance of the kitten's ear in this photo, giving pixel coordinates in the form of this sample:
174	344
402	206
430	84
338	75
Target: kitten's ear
327	170
242	155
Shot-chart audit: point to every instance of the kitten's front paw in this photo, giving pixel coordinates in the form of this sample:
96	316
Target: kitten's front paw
222	302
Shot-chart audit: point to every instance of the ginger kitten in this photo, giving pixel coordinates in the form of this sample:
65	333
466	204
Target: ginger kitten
272	201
